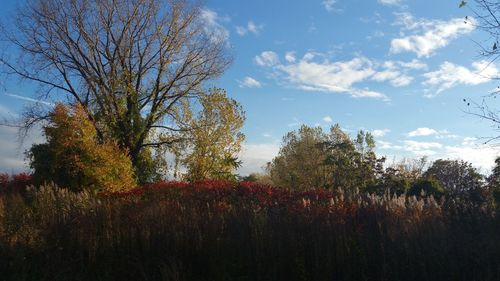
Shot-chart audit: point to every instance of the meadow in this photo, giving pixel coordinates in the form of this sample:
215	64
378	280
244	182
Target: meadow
216	230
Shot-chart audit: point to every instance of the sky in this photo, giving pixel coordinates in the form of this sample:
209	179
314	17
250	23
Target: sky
399	69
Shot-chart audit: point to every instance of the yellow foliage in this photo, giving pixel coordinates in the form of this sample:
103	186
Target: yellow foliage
77	160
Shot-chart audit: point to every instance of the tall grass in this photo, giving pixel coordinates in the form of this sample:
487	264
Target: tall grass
217	231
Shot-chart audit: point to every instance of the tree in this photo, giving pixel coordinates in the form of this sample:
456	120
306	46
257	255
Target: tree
352	162
459	179
486	16
72	158
215	139
127	63
300	161
427	186
309	158
494	183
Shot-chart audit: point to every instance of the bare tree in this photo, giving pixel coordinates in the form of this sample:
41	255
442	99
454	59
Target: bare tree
486	16
129	63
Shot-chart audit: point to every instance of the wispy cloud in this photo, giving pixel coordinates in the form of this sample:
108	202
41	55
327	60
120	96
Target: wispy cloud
428	35
290	57
329	4
249	82
213	27
421	148
267	58
30	99
317	72
327	119
322	75
449	75
251	27
390	2
422	132
296	122
380	132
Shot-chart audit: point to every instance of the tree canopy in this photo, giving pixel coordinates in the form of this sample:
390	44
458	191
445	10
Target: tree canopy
129	64
310	158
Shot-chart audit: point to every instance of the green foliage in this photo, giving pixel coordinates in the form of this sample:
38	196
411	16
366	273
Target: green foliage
391	182
310	158
427	186
459	179
494	183
72	158
299	164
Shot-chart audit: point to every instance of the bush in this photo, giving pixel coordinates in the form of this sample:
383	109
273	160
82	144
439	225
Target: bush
16	183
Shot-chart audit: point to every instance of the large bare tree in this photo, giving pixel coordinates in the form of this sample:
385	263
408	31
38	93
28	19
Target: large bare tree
129	63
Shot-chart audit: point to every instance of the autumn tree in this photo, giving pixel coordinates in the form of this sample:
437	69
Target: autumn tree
459	179
214	140
299	164
353	162
311	158
72	157
127	63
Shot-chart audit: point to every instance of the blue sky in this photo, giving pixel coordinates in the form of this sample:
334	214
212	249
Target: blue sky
397	68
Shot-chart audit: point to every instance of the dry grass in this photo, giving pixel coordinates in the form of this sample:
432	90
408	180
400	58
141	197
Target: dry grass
217	231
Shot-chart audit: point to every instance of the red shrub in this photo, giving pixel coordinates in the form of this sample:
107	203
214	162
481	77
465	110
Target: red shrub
4	181
20	182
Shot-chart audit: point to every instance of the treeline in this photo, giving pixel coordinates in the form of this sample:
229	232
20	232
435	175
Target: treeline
311	158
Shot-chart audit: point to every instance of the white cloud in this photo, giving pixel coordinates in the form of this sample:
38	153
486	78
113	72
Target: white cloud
249	82
290	57
396	78
422	132
326	76
251	27
380	133
328	119
390	2
328	4
12	148
240	30
267	58
213	27
357	93
428	35
479	155
450	75
317	72
255	156
413	64
397	72
387	145
421	148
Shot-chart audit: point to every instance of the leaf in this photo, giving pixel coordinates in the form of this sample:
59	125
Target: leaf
462	4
